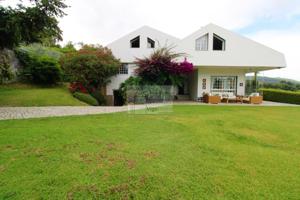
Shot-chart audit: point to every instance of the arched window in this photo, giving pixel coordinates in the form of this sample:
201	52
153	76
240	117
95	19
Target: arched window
135	42
202	43
218	43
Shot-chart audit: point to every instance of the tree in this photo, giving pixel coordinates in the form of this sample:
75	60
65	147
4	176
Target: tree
91	66
33	24
161	68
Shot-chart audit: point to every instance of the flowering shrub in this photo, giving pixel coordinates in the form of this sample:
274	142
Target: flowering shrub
92	66
77	87
162	69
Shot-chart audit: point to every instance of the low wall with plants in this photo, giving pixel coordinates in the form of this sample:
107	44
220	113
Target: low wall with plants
282	96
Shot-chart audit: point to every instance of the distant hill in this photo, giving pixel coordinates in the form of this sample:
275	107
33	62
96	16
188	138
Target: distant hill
266	79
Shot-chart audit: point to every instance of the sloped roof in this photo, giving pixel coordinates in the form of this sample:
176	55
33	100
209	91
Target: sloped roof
239	51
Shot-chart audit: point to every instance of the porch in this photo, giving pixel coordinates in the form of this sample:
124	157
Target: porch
219	81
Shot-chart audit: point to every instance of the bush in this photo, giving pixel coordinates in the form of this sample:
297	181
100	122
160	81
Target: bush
162	68
5	69
86	98
38	50
99	97
77	87
134	90
281	96
39	69
90	66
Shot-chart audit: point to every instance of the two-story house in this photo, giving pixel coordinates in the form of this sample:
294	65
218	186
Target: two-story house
220	57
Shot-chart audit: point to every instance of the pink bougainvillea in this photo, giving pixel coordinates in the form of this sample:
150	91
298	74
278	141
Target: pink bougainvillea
161	67
185	67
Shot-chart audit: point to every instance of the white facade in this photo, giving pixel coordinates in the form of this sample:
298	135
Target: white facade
214	51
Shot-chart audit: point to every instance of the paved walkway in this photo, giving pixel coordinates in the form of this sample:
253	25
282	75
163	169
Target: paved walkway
52	111
37	112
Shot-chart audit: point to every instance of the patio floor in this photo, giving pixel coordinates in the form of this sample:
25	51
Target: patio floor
265	103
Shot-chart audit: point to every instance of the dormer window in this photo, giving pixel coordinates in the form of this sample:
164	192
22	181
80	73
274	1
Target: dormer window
218	43
150	43
135	42
202	43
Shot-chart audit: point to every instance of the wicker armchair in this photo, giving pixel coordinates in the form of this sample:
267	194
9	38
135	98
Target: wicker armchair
211	99
253	99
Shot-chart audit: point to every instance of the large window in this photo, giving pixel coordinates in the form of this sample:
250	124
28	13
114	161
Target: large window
135	42
218	43
223	84
123	69
202	43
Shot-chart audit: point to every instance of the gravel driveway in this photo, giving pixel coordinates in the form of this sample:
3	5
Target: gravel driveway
36	112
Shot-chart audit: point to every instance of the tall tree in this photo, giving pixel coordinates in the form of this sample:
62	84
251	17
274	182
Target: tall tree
28	24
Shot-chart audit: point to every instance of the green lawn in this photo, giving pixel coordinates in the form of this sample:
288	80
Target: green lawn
27	95
196	152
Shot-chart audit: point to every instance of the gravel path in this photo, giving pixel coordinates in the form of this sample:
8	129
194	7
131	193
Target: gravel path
37	112
54	111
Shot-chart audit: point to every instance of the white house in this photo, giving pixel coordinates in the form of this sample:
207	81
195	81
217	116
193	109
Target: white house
221	58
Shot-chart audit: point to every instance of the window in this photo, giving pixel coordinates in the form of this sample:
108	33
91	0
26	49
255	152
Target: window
218	43
150	43
135	42
202	43
123	69
222	84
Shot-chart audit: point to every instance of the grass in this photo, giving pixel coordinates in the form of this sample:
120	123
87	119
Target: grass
196	152
28	95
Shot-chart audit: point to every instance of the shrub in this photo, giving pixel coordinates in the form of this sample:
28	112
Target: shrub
90	66
5	69
281	96
134	90
38	68
99	97
161	68
77	87
39	50
86	98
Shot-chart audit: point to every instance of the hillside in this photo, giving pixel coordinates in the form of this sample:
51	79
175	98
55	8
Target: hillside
266	79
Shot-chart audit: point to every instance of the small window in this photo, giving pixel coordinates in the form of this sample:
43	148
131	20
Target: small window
202	43
123	69
150	43
135	42
218	43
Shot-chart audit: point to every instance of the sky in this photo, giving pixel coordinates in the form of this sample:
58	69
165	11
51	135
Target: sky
275	23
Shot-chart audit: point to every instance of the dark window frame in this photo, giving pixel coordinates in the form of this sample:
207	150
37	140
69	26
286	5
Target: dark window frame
133	41
150	43
223	43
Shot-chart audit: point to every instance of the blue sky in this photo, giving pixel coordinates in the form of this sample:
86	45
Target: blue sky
275	23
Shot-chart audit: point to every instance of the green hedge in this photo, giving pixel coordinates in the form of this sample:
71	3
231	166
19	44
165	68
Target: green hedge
86	98
282	96
38	69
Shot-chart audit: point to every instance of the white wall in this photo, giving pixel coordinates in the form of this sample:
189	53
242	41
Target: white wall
122	50
206	73
118	79
239	51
